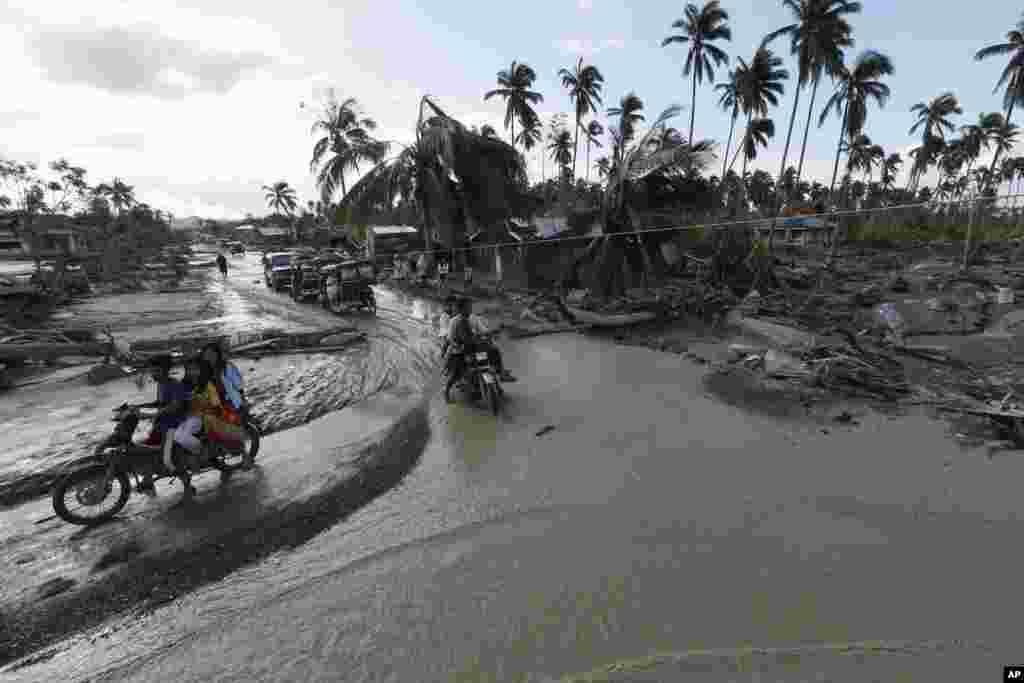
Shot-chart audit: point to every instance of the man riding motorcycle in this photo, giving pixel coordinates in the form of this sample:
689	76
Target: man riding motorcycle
172	399
467	333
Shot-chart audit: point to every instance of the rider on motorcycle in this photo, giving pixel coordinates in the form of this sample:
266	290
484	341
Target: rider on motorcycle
172	398
467	333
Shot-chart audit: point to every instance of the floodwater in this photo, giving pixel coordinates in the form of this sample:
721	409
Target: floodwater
59	420
614	512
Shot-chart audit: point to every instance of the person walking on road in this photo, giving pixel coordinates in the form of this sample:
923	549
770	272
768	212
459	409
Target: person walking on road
222	263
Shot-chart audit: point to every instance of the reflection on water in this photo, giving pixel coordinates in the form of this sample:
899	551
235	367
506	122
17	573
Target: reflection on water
472	434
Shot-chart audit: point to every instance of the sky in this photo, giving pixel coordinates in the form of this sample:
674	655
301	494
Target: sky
198	105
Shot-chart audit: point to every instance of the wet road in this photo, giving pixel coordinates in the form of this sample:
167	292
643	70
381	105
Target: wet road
56	422
649	519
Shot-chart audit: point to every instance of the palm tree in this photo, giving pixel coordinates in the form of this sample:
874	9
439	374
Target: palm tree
890	169
584	85
629	115
531	132
1003	138
560	147
864	156
451	176
933	120
594	132
635	163
758	133
120	195
514	86
700	27
729	101
347	137
603	167
817	37
856	87
1013	74
280	196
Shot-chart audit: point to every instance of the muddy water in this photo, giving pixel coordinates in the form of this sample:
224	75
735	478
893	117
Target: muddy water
59	420
649	519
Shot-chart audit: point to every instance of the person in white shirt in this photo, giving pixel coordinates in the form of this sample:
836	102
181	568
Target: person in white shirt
480	337
444	321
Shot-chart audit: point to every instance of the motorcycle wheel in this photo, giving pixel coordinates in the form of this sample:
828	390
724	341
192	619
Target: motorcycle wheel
93	477
229	462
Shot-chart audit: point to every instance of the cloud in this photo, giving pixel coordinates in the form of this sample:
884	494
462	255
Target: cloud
138	60
121	140
585	4
13	118
587	47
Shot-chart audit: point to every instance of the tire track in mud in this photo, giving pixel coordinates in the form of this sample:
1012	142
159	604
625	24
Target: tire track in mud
399	356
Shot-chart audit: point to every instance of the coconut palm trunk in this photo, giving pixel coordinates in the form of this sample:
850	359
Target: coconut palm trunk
839	151
728	144
588	159
575	148
693	99
782	170
807	129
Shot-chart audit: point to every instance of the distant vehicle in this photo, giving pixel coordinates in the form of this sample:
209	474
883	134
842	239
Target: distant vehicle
347	285
305	282
277	270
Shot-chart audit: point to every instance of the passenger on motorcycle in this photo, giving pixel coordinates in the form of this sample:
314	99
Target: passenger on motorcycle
172	399
228	381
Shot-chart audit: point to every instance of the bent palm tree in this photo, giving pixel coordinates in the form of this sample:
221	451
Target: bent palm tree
452	176
856	87
347	139
637	162
700	27
280	196
514	86
629	115
584	85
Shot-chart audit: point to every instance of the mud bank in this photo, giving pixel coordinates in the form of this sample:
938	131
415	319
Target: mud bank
127	577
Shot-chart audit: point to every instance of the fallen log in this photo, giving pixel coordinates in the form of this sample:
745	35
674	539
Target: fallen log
537	331
609	319
50	351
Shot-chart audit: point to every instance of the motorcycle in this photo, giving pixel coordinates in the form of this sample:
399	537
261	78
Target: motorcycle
117	458
481	379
